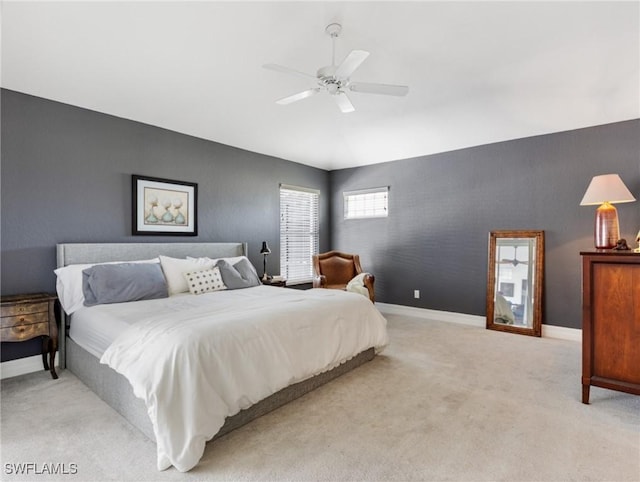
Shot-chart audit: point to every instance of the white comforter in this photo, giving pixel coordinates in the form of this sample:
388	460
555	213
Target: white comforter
196	360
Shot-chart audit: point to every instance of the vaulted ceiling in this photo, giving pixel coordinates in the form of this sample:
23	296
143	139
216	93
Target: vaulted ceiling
478	72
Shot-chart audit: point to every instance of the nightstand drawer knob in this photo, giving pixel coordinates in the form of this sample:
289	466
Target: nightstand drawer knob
22	319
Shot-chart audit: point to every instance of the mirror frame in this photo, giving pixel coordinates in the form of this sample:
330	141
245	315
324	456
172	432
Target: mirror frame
536	329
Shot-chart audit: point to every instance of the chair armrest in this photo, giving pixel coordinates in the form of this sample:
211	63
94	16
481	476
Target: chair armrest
319	281
368	282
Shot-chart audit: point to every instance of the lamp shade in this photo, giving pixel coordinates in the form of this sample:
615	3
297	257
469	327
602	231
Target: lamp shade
606	188
265	248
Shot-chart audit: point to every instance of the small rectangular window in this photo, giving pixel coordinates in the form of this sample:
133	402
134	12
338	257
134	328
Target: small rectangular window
366	203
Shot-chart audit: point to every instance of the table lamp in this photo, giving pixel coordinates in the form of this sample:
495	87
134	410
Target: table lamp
605	191
264	252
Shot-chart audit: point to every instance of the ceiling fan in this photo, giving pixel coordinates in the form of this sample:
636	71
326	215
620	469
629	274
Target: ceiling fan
336	79
515	261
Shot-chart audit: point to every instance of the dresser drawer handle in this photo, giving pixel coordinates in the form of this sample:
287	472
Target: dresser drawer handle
22	319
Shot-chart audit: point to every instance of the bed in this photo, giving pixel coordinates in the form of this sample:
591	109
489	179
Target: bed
244	352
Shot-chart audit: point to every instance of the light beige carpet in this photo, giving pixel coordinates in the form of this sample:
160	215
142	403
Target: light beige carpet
443	402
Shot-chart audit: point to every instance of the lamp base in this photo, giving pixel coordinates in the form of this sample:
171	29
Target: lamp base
607	231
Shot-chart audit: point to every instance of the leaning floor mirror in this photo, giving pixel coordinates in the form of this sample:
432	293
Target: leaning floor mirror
514	281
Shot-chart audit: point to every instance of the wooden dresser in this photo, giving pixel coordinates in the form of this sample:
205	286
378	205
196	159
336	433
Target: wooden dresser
28	316
610	321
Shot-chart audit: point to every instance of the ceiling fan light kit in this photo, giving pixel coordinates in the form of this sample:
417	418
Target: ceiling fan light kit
336	79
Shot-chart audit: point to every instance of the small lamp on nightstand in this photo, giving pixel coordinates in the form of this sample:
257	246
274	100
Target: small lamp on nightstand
605	190
264	252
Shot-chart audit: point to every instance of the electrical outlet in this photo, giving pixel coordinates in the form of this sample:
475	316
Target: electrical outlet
416	294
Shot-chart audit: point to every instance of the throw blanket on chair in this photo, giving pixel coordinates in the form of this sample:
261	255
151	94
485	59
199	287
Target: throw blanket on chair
356	285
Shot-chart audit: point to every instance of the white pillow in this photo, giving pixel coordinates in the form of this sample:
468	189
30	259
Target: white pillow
204	281
231	260
175	268
69	283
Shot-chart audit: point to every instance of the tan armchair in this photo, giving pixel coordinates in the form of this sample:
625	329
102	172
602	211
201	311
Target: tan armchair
334	270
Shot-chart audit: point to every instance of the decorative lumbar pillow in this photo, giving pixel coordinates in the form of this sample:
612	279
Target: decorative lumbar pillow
240	275
119	283
175	268
204	281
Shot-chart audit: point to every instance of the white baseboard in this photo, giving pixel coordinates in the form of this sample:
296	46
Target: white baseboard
561	333
548	331
436	315
22	366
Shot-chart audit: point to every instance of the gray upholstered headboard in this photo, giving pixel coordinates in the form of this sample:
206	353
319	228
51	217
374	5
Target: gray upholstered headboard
79	253
82	253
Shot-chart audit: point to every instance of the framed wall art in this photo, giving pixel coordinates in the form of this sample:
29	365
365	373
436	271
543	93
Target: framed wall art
164	207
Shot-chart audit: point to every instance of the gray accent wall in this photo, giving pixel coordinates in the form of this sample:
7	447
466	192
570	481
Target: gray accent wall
66	177
443	206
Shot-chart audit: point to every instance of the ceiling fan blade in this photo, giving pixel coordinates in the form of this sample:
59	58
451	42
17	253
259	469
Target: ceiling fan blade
287	70
383	89
514	262
351	63
299	96
343	102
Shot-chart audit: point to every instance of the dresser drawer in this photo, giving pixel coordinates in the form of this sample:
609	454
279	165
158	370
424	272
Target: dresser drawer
24	332
27	319
24	308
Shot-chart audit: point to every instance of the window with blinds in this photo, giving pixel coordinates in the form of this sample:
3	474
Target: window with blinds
366	203
299	227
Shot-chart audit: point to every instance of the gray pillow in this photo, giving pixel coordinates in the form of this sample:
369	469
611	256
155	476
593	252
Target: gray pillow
122	282
240	275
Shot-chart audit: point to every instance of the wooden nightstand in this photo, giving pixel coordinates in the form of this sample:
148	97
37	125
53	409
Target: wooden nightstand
28	316
282	283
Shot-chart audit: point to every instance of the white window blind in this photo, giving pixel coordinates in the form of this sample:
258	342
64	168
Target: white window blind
366	203
299	228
